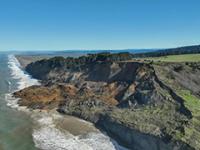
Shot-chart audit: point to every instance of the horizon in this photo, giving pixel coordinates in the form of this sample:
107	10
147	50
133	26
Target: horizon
79	50
29	25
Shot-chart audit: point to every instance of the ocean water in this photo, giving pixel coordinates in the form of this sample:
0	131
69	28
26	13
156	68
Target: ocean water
15	126
22	129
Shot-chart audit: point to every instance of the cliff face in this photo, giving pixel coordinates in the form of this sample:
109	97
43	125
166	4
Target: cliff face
129	100
128	83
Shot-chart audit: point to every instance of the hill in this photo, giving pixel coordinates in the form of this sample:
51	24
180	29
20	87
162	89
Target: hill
173	51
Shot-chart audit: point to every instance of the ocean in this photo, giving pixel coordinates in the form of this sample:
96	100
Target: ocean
23	129
15	126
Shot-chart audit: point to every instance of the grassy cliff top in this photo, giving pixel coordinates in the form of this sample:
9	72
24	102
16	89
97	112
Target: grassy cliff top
176	58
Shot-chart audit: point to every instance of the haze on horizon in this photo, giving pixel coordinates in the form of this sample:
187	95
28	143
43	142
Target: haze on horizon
100	24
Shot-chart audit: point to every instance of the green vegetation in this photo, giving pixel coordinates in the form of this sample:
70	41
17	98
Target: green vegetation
153	120
176	58
123	56
177	76
192	131
191	101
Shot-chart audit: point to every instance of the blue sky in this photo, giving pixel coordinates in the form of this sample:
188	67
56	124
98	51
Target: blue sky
98	24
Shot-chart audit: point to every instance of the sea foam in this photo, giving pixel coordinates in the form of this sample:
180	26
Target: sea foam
48	137
24	79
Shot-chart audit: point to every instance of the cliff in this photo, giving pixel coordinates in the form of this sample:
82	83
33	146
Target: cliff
135	102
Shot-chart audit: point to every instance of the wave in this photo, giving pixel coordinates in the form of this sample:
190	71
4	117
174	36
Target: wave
46	135
23	80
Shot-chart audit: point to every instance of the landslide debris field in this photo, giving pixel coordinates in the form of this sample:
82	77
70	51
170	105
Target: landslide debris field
146	105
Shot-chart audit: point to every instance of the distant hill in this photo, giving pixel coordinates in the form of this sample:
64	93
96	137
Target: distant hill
137	52
77	53
172	51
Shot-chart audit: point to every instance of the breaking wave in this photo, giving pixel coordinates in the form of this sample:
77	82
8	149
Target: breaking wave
23	80
48	137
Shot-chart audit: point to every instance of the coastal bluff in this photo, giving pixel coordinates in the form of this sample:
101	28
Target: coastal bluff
142	105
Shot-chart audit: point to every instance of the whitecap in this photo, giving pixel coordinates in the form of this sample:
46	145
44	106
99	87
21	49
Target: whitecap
47	137
24	79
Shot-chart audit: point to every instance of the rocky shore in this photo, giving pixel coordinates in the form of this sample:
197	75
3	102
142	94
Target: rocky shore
141	105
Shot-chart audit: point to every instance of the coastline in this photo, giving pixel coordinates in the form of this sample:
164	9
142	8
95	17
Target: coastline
59	124
91	95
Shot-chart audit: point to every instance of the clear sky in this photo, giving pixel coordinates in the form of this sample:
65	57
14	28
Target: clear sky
98	24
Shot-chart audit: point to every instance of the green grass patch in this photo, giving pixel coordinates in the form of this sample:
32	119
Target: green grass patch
192	131
177	58
191	102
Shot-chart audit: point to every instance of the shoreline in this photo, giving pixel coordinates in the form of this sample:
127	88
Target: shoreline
73	124
124	99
